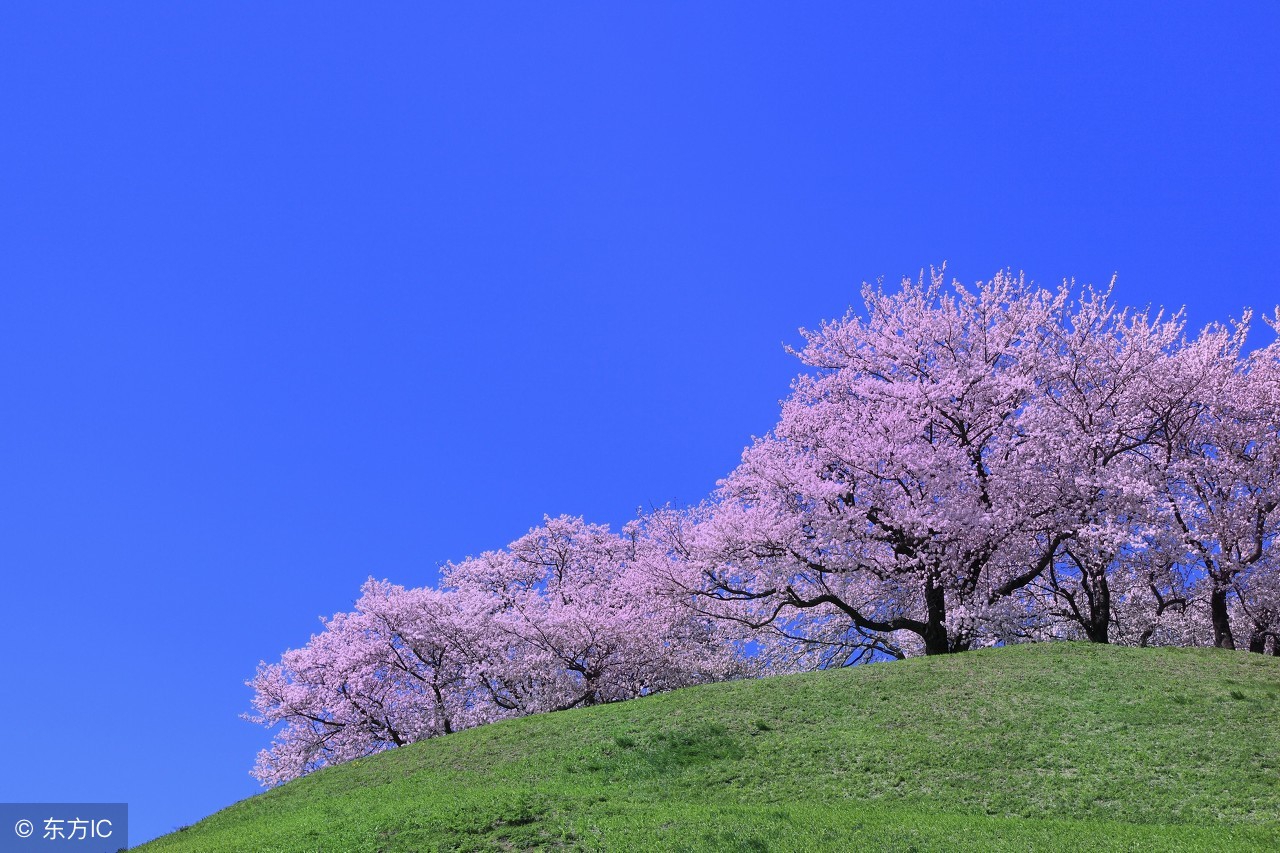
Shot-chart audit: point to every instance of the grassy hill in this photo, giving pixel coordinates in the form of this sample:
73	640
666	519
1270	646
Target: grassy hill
1056	746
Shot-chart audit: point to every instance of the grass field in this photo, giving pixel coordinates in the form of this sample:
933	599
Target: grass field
1060	746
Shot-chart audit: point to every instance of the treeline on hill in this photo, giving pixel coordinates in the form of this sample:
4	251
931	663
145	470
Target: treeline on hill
957	468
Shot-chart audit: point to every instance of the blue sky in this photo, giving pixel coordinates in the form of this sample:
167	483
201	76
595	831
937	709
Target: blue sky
291	295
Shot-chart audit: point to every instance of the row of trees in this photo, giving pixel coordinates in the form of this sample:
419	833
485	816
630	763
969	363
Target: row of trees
562	617
966	468
957	468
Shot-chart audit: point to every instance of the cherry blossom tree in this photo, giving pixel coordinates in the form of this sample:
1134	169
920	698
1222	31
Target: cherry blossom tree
580	624
396	670
1090	426
1222	465
557	620
1257	606
897	493
966	467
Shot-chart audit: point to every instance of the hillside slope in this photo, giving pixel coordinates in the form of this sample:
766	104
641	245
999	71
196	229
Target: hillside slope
1051	746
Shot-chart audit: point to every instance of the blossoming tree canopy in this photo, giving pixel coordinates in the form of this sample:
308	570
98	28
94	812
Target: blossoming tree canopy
893	488
558	619
996	464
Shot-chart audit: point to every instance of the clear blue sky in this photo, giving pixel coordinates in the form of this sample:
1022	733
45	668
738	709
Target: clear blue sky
291	295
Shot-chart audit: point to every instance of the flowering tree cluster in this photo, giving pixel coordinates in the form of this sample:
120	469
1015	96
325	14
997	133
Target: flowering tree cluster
957	467
969	467
561	618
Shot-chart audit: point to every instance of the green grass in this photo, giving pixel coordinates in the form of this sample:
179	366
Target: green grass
1044	747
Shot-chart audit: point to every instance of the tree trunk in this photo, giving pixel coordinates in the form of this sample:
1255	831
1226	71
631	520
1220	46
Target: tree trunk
1222	637
935	632
1099	620
440	706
